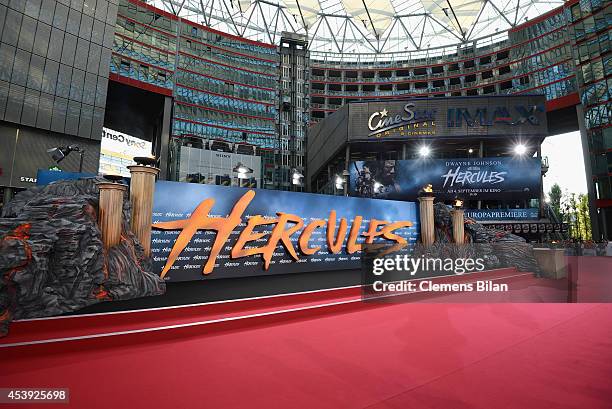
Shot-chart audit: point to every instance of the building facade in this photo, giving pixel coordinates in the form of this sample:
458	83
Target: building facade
223	88
294	111
65	66
54	57
589	26
535	58
563	54
465	147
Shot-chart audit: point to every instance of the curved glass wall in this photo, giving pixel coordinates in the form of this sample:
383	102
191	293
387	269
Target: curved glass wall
536	57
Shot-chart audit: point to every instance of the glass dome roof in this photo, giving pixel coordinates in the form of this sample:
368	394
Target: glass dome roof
367	27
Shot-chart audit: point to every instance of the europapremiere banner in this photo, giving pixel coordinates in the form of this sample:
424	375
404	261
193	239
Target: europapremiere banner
502	214
209	231
469	178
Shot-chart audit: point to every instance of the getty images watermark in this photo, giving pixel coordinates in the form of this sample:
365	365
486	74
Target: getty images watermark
411	265
389	275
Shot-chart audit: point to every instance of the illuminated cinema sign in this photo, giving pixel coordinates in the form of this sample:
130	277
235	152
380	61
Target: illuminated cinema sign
490	116
209	231
381	121
450	117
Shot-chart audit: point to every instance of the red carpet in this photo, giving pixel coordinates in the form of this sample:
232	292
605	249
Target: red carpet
349	355
524	288
391	356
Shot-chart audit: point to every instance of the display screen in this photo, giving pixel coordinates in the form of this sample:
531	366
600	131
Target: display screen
117	151
469	178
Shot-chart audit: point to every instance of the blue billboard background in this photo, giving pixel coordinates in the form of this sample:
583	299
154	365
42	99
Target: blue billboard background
176	201
44	177
467	178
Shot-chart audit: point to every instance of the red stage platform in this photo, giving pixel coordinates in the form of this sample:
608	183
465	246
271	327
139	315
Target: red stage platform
325	350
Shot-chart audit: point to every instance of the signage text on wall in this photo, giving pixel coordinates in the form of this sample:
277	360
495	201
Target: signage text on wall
117	151
381	122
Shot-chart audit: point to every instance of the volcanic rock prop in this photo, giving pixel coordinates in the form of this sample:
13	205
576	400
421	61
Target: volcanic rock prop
497	248
52	260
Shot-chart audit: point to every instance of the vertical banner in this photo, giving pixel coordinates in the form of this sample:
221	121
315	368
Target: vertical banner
469	178
208	231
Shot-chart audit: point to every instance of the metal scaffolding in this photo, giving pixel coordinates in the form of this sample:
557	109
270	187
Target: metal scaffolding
363	26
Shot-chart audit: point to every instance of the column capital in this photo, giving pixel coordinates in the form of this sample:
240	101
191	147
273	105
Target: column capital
426	198
143	169
112	186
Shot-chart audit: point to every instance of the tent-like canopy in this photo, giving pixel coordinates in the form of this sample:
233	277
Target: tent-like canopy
365	27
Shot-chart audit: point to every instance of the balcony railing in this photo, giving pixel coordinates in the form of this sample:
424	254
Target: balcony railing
417	58
413	77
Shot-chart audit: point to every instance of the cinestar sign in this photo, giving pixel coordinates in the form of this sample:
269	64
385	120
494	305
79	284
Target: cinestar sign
381	121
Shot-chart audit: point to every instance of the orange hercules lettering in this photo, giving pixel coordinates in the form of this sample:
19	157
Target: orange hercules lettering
335	246
305	237
278	234
247	236
285	225
200	220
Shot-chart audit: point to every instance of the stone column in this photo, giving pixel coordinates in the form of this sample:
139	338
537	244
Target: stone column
427	219
111	212
458	227
142	186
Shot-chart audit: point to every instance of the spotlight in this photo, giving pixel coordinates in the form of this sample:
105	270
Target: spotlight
470	151
296	177
242	170
424	151
339	182
377	187
59	153
520	149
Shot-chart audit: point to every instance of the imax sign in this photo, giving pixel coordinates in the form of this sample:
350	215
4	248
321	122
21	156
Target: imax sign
490	116
450	117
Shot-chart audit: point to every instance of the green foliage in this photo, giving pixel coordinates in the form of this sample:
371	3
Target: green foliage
574	210
555	195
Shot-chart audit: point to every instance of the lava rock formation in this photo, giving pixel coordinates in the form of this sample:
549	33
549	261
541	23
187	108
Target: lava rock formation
498	248
52	260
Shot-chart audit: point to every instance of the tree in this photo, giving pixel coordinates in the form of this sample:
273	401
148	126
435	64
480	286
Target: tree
573	207
583	215
555	196
575	212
